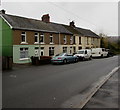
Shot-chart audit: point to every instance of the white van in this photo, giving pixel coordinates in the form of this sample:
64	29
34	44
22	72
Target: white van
99	52
84	54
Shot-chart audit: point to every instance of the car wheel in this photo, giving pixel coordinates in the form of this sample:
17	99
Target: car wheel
76	60
64	61
90	58
102	56
83	58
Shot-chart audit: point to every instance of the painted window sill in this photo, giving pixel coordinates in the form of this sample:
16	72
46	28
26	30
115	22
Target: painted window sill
51	43
22	59
24	43
36	43
42	43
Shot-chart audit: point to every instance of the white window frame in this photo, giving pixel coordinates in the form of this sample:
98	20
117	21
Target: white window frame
24	49
52	49
51	36
65	49
37	37
23	42
65	39
42	35
38	51
42	50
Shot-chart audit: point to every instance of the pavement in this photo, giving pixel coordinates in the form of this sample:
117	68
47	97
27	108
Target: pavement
52	86
106	96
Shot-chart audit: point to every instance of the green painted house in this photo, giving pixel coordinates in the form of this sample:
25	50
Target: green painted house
6	47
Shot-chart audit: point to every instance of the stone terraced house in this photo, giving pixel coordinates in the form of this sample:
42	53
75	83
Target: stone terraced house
25	37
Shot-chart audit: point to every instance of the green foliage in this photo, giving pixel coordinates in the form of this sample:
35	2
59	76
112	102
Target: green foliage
114	46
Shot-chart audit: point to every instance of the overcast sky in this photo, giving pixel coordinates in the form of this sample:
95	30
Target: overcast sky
100	17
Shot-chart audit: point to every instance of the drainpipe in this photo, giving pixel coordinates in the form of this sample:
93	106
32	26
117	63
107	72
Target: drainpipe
59	41
39	47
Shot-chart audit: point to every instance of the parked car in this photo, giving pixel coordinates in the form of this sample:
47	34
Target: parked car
110	53
64	58
84	54
99	52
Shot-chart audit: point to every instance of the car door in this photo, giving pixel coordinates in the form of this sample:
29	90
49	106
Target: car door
66	57
69	58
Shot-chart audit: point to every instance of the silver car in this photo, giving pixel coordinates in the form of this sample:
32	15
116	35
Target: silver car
64	58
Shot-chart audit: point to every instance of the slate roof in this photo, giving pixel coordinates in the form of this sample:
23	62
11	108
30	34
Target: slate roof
81	31
32	24
60	28
73	30
86	32
23	23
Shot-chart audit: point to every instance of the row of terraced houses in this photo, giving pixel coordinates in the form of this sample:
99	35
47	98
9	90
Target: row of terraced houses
25	37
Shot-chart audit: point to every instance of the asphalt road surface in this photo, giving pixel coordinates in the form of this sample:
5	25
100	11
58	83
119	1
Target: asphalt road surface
50	86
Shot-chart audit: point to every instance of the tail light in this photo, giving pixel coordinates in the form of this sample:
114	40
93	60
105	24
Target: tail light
59	58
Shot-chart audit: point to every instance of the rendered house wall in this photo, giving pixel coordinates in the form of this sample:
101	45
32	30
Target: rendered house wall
6	37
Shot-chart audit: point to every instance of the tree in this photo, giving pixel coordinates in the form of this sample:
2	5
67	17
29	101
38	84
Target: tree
108	43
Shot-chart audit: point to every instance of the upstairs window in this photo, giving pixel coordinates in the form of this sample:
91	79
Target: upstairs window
71	40
87	41
92	41
97	40
51	39
42	38
36	38
65	39
23	37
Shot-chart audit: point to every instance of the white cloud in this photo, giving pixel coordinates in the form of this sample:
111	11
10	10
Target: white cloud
97	16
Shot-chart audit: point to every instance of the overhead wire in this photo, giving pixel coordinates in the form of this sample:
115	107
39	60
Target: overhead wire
70	12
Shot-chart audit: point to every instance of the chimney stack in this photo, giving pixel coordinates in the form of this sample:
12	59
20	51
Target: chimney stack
72	24
2	11
46	18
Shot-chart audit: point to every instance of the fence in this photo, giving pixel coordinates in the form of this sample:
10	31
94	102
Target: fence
43	60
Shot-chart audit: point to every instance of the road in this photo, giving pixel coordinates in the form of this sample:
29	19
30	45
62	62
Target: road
50	86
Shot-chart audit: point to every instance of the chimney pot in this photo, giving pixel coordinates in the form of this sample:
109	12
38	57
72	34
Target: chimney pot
46	18
72	24
2	11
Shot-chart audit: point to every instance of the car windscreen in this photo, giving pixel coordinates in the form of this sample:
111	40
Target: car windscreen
61	54
80	52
